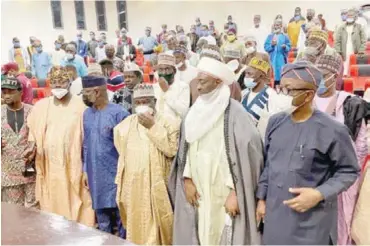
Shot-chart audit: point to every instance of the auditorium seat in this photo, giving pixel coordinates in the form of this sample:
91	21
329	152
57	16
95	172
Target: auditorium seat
348	84
146	78
359	59
361	70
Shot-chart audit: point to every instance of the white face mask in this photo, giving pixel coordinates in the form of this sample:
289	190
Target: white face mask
142	109
249	83
179	64
69	56
250	49
59	93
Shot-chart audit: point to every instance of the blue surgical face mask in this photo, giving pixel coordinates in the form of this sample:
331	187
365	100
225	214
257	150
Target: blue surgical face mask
323	88
39	49
57	46
297	17
249	83
350	20
344	17
16	44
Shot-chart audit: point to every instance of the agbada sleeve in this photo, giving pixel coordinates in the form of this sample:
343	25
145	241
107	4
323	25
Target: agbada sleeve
178	100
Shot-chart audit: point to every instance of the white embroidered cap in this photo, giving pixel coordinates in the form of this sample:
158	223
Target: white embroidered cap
216	69
132	67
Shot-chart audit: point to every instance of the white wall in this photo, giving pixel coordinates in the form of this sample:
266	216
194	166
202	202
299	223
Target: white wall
24	18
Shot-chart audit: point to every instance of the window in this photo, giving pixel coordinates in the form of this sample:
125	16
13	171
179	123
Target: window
80	15
100	14
122	14
56	11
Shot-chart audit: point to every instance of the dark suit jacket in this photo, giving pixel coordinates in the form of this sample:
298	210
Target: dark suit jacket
120	51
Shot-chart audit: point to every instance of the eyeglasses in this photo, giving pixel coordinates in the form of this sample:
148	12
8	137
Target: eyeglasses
285	91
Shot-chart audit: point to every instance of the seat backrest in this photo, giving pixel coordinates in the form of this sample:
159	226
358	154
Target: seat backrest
348	84
362	70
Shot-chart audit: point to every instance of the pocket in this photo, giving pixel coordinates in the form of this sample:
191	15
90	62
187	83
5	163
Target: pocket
302	159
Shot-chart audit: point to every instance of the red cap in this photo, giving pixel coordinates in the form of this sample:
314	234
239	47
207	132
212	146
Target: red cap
9	66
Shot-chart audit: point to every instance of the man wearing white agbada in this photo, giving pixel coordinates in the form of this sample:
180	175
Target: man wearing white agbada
216	170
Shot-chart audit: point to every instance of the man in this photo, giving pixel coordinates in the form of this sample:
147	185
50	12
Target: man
251	51
193	37
124	37
213	31
305	27
344	107
82	48
57	55
55	128
231	24
103	37
72	59
215	172
76	84
11	69
198	27
133	76
17	184
173	96
361	18
294	26
92	44
118	63
185	72
259	32
100	51
205	35
31	49
19	55
126	51
233	44
278	45
148	42
115	80
213	52
310	159
171	42
258	99
41	62
100	155
343	17
350	38
142	196
232	57
322	21
160	36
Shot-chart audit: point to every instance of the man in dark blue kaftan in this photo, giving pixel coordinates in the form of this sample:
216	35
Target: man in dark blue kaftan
100	154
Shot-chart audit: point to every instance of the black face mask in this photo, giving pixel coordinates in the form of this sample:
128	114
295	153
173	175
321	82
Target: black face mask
87	102
309	18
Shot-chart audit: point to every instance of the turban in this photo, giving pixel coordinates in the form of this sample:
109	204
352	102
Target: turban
259	64
93	81
59	73
143	90
332	63
216	69
304	71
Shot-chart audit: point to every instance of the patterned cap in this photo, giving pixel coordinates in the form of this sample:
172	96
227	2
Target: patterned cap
59	73
231	52
180	49
302	70
166	59
333	63
259	64
143	90
317	33
211	51
95	69
11	83
93	81
132	67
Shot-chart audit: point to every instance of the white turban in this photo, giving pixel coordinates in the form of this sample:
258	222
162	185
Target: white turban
216	69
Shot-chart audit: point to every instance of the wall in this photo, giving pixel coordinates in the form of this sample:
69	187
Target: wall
24	18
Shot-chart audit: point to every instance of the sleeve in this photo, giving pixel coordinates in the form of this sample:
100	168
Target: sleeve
288	44
361	144
338	41
33	70
121	116
26	57
83	69
50	62
345	167
268	47
243	52
31	125
362	40
178	100
85	50
187	169
140	41
117	144
165	137
84	147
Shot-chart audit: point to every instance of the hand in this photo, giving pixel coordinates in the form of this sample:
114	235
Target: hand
85	180
191	192
231	204
29	155
273	43
307	198
146	120
283	46
3	143
163	84
260	211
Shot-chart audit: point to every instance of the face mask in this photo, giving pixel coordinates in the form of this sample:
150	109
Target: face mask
350	20
167	77
57	46
344	17
142	109
297	17
322	87
231	38
79	38
192	30
198	23
249	83
17	45
277	30
309	18
250	49
101	44
59	92
69	56
39	49
179	64
293	108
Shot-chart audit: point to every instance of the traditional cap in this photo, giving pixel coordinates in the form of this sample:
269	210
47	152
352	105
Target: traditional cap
94	68
148	29
333	63
257	16
303	70
216	69
353	11
232	30
15	39
211	51
310	11
250	38
259	64
105	62
11	83
59	73
132	67
143	90
115	78
93	81
318	34
9	66
166	59
181	49
231	52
